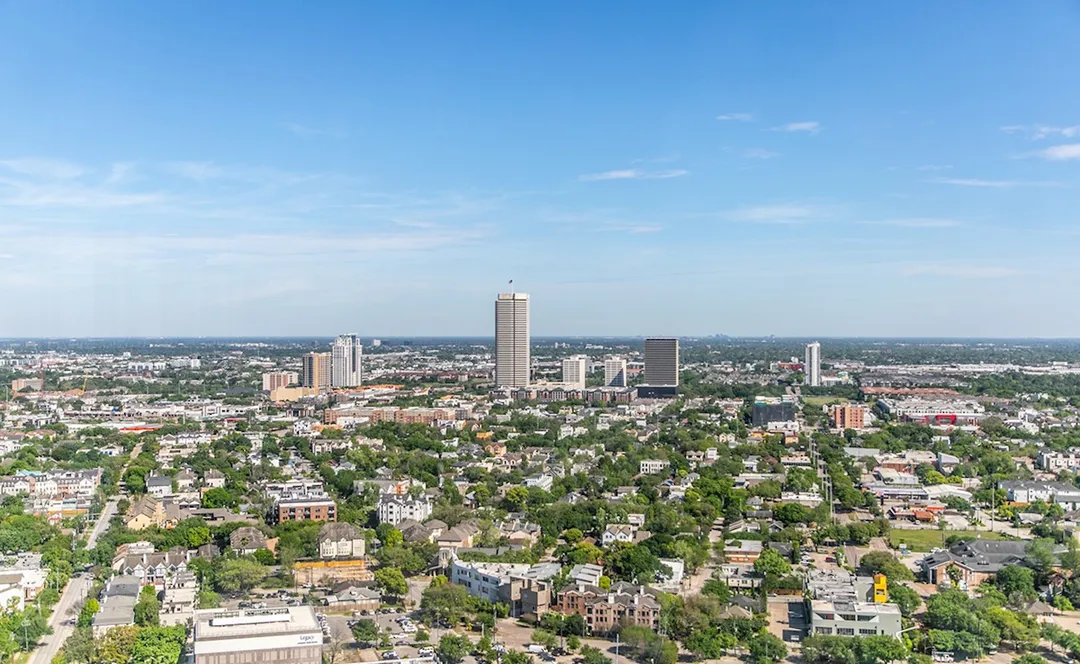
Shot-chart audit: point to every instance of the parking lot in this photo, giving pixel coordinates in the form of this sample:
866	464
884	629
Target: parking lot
787	618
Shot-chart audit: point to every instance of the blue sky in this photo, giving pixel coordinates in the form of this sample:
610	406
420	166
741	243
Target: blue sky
789	168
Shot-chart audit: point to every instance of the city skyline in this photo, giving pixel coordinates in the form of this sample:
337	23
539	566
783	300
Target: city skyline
770	161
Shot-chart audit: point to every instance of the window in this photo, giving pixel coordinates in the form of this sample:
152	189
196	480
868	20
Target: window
867	632
827	631
845	631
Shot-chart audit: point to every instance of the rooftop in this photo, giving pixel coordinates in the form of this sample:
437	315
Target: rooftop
221	624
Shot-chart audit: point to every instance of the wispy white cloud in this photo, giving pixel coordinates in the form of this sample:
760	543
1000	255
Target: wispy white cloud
200	171
738	117
1038	132
633	174
1065	152
959	271
53	169
917	222
120	172
934	167
759	153
666	159
993	184
307	131
633	229
809	127
776	214
65	194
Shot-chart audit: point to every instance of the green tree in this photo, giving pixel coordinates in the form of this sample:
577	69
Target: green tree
446	603
79	648
365	631
218	498
634	563
906	599
389	535
880	649
883	562
116	645
158	645
86	614
238	575
818	649
1070	558
1014	580
208	599
1040	555
516	657
591	655
518	497
544	638
575	625
765	647
573	643
148	608
452	648
391	581
717	589
771	563
263	557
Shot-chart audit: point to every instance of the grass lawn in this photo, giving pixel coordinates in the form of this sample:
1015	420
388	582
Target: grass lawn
925	540
818	402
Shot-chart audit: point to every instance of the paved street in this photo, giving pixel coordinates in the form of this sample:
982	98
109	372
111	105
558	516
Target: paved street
74	593
102	523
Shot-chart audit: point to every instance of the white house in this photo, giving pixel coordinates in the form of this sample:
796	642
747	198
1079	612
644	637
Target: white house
653	466
340	540
542	481
394	509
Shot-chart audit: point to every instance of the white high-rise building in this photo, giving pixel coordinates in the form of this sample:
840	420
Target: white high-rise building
574	370
812	366
615	372
346	361
513	360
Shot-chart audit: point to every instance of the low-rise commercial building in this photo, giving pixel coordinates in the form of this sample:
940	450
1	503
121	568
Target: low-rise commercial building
290	634
847	618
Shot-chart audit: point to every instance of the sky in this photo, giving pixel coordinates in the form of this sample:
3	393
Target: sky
692	168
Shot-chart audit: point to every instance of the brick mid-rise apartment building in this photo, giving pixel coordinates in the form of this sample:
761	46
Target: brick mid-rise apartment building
301	501
306	509
606	610
847	416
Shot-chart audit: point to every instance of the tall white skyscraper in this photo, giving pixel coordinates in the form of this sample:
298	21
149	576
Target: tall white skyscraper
662	361
615	372
513	361
574	370
346	361
812	366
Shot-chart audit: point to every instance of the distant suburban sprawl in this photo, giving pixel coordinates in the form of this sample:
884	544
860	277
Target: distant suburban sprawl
503	500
